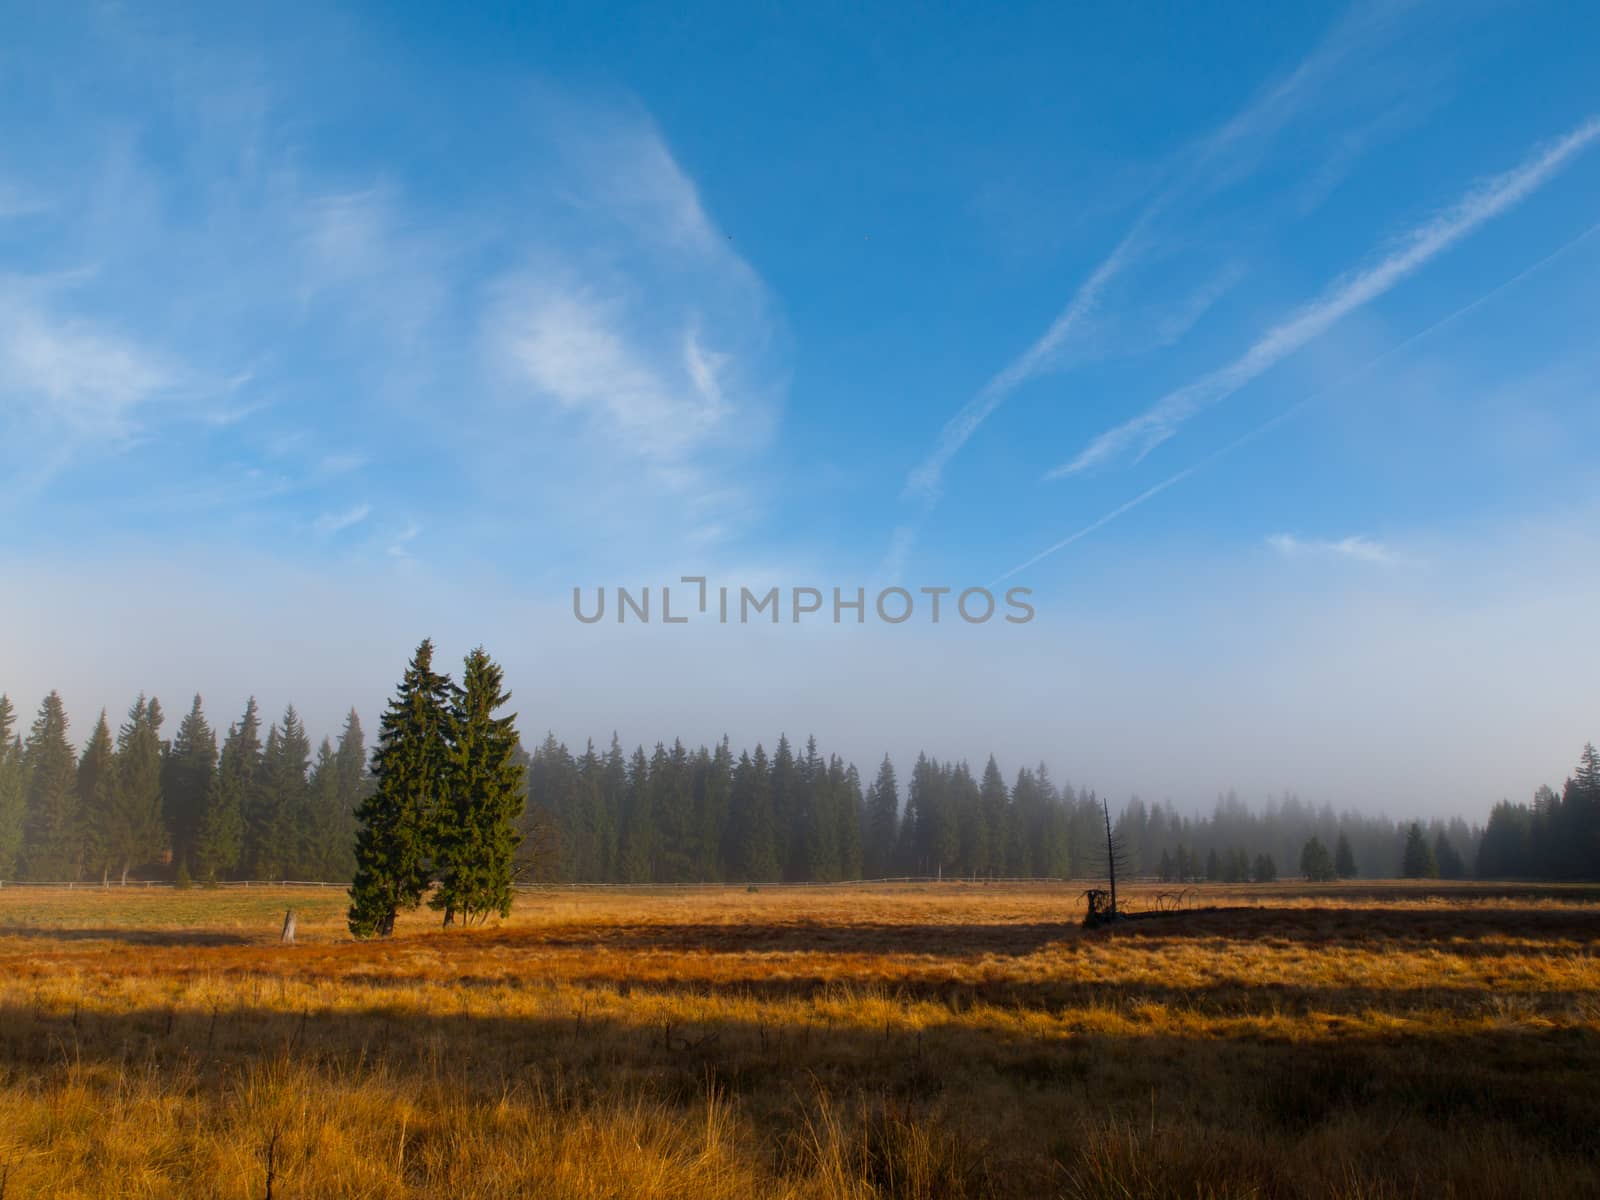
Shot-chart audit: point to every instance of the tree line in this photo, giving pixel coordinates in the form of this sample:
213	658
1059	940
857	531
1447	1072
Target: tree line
1557	836
677	815
185	808
1238	844
264	806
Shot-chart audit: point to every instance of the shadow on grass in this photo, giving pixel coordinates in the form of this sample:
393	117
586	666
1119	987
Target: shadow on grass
746	937
132	937
1355	891
1465	931
1486	932
1538	1081
1470	932
1212	1001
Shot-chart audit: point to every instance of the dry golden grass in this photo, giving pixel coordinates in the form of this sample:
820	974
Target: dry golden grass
951	1040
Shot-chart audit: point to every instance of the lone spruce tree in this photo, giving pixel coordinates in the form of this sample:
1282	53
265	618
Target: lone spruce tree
398	819
477	826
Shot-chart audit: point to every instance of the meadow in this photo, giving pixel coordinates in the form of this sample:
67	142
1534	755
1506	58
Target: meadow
949	1040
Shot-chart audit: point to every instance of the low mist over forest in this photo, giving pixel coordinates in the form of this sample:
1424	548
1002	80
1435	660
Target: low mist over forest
254	804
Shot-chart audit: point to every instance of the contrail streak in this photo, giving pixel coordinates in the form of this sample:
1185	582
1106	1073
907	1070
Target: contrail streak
1158	423
1262	116
1296	408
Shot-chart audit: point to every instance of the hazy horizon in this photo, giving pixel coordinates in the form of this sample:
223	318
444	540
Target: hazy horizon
1130	706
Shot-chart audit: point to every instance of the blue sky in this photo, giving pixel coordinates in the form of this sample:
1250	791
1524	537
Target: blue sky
1262	349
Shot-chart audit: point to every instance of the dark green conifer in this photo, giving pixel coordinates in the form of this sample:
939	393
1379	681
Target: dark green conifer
50	844
1344	859
822	787
324	848
1055	841
96	783
1416	860
276	819
788	829
756	857
186	782
676	838
1049	827
1316	864
713	794
971	826
219	842
352	764
613	800
351	785
134	832
851	819
553	797
477	830
399	819
13	791
586	832
1449	860
882	832
996	804
636	850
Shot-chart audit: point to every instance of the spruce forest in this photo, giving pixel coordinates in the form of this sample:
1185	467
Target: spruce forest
130	803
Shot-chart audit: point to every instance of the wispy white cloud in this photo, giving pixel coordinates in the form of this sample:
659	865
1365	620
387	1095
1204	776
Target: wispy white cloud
705	368
323	312
226	417
1482	203
364	256
640	326
346	233
332	523
399	547
574	349
638	178
341	463
74	373
1354	548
